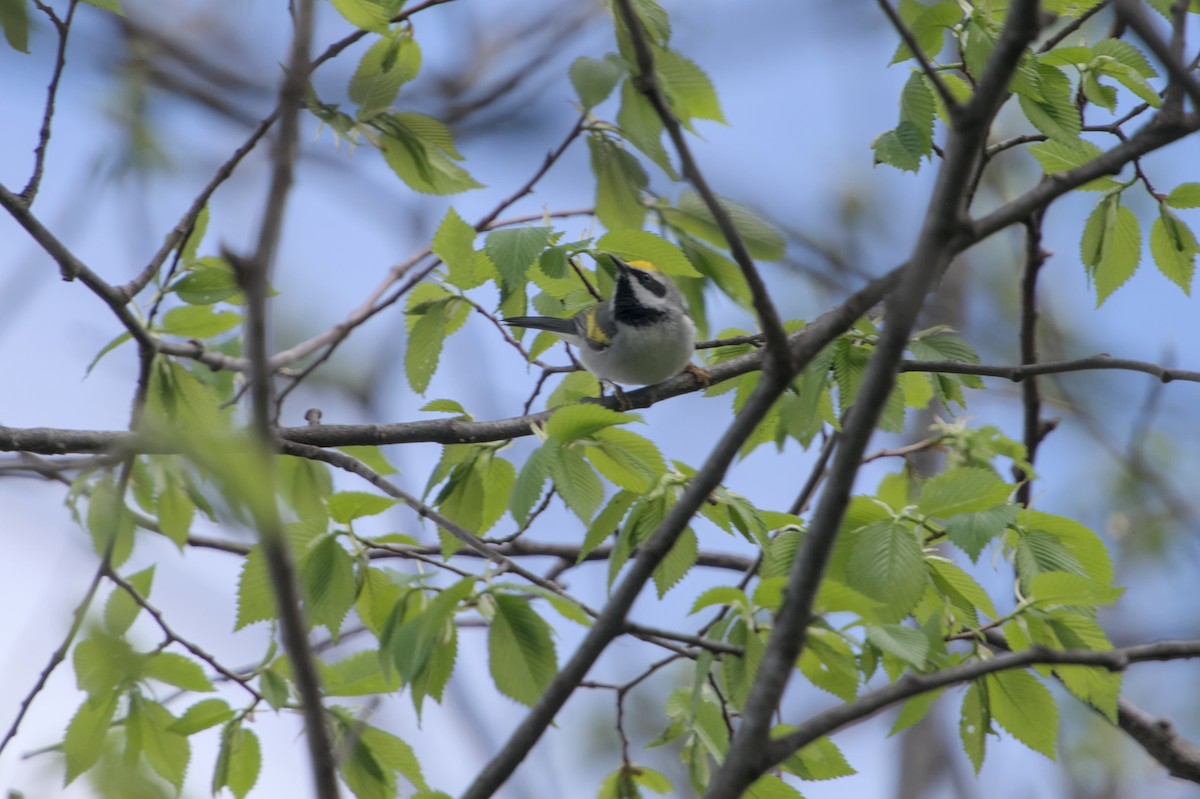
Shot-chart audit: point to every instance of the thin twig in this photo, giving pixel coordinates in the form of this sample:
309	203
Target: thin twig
63	27
953	107
646	82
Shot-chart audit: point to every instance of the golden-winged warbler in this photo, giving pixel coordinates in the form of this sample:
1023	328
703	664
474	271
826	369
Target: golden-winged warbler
641	335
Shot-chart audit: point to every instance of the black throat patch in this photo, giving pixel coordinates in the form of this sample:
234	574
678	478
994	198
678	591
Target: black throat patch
627	309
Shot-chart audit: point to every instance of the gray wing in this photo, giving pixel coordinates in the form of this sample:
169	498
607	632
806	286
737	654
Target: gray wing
595	327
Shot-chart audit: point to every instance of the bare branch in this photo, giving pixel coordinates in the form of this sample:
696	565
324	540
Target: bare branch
1134	15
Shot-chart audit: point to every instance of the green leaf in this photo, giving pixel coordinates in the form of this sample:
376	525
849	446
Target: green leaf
1064	588
420	150
642	127
962	490
908	644
678	562
627	459
1174	248
255	599
109	522
1055	113
689	91
368	15
274	688
1058	156
454	243
928	24
198	321
1185	195
515	250
14	19
914	710
693	216
819	760
620	181
120	610
576	482
771	787
886	563
389	63
829	663
1125	53
1083	544
177	670
1112	245
346	506
175	512
393	753
106	349
638	245
86	733
208	281
527	490
360	674
239	760
959	585
1025	707
606	522
971	532
520	649
595	78
202	715
327	574
107	5
166	751
974	725
573	422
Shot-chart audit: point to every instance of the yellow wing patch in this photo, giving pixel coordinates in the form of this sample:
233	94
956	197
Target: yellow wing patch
595	333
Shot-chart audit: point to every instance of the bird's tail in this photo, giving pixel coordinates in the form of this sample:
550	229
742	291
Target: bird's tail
553	324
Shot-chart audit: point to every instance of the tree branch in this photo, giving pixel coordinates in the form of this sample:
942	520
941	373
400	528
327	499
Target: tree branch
646	82
913	684
941	237
953	108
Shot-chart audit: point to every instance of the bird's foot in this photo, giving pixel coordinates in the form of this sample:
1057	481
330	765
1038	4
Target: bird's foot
702	375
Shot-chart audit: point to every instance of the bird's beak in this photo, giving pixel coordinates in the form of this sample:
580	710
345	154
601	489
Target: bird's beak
622	267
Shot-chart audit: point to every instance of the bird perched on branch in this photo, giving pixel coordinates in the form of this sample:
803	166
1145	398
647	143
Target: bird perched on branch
641	335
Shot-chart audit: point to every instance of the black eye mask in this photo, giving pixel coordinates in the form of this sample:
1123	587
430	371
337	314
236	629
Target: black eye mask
655	287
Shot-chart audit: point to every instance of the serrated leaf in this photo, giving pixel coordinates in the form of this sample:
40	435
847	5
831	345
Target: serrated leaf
86	732
418	151
819	760
595	78
914	709
971	532
642	127
1125	53
689	91
626	459
576	482
1174	248
178	670
1064	588
515	250
368	15
620	181
676	563
527	489
167	752
255	599
393	753
346	506
573	422
771	787
198	321
1025	707
1185	195
908	644
639	245
1120	250
454	243
974	725
962	490
928	26
238	761
1055	113
121	609
829	663
175	512
208	281
886	563
386	66
692	215
202	715
520	649
327	575
949	576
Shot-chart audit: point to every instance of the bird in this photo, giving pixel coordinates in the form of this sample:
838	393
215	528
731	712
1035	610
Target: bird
641	335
